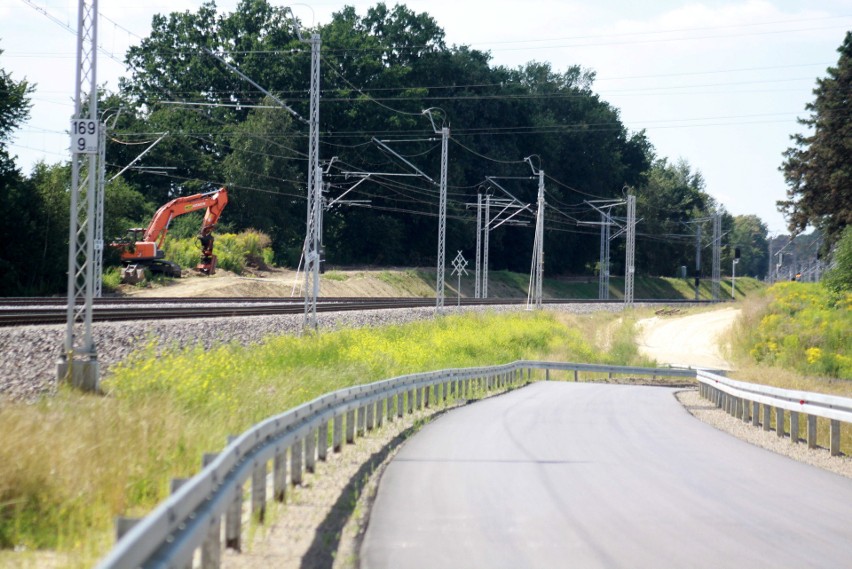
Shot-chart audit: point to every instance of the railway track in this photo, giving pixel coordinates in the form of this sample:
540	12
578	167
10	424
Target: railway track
43	311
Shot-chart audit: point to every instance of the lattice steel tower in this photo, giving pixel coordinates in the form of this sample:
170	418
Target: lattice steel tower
630	260
537	268
79	363
312	251
717	254
442	223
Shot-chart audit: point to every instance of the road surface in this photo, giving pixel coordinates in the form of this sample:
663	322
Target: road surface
561	474
687	340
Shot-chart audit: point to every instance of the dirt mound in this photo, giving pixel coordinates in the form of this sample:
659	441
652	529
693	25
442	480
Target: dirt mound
286	282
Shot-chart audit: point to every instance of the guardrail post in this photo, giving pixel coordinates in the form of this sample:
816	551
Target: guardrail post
400	404
755	414
258	491
812	431
311	451
834	437
418	403
279	475
362	420
380	412
389	407
211	549
350	426
767	417
124	525
234	520
547	375
427	395
794	427
746	411
371	410
322	441
175	484
779	421
410	401
296	462
337	433
576	375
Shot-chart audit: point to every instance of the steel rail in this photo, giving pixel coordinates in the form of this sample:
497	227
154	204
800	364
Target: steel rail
45	311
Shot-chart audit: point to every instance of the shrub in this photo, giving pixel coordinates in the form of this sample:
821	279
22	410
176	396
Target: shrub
234	252
801	326
839	278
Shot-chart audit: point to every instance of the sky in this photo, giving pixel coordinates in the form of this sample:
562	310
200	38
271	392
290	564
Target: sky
717	83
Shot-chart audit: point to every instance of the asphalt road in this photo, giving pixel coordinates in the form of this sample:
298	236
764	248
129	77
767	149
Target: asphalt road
580	475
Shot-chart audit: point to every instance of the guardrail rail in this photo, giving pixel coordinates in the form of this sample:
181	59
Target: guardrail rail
745	400
208	506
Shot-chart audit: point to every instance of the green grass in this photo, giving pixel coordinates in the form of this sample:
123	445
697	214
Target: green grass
335	276
412	282
69	464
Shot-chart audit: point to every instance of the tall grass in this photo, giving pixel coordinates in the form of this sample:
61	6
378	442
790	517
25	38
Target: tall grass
798	326
70	463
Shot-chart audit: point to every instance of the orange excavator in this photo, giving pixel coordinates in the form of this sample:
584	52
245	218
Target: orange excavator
142	248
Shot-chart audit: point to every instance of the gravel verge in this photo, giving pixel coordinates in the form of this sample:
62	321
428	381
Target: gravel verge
30	353
705	411
322	523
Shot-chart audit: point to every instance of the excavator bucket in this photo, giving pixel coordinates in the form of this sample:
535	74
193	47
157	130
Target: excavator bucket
207	265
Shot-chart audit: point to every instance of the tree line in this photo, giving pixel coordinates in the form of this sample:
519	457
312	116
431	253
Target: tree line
379	72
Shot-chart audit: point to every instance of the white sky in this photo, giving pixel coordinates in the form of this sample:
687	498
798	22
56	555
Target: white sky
719	83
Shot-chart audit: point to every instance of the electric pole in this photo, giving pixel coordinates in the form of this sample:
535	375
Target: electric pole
717	254
537	268
79	362
477	292
629	265
99	212
312	252
442	214
486	245
697	258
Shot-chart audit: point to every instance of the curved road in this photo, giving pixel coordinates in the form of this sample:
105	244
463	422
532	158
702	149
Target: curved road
580	475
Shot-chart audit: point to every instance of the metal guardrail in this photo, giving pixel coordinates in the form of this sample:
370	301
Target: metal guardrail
743	400
192	517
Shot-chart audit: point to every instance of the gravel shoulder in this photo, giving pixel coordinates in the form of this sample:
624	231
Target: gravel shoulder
705	411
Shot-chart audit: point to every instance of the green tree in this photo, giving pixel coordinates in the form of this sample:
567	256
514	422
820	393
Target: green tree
838	279
818	169
20	215
261	170
672	198
750	235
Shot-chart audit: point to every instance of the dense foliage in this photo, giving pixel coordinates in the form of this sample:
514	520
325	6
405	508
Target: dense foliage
838	279
818	169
